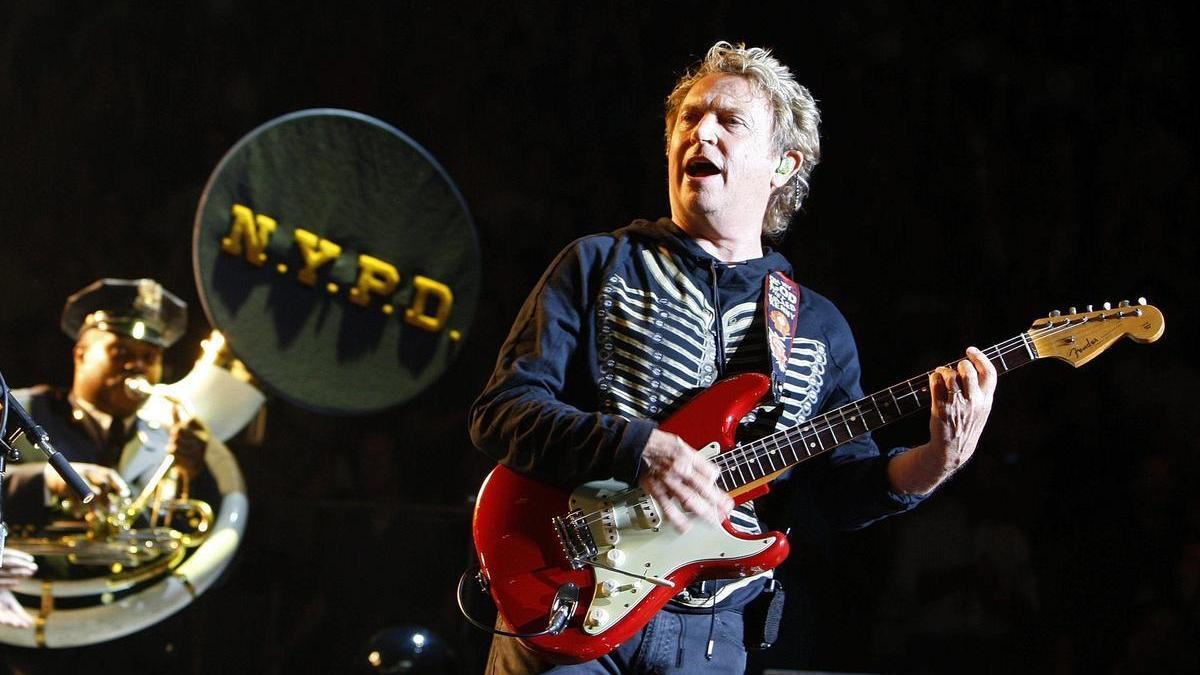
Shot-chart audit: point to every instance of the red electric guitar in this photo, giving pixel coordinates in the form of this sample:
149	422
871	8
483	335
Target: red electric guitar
590	567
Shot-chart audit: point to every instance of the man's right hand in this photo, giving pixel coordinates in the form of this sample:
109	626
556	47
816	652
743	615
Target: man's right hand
675	475
101	478
14	566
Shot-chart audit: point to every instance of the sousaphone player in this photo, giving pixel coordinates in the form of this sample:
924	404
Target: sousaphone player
121	328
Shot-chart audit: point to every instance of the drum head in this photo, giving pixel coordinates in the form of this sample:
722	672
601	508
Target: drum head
339	260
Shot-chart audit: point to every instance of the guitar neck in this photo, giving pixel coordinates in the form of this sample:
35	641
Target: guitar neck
766	457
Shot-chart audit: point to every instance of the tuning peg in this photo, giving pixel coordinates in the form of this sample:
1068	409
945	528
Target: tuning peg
1108	305
1142	301
1055	314
1124	303
1071	310
1089	308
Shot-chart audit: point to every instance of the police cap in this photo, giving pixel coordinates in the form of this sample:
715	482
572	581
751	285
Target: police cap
138	308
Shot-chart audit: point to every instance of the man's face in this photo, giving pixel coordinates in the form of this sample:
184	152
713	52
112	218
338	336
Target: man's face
104	360
721	160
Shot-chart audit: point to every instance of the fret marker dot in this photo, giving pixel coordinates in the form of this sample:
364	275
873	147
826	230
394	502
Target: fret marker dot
812	445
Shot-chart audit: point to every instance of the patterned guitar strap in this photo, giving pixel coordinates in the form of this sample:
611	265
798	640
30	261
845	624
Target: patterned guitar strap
781	311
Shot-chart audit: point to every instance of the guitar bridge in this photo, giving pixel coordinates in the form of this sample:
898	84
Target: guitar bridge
575	538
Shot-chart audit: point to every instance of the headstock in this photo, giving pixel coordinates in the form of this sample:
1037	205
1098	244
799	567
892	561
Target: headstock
1079	337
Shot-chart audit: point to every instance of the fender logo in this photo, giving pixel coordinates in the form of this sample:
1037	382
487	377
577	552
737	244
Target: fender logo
428	310
1076	351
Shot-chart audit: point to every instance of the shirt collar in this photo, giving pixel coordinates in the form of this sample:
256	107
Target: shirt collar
101	418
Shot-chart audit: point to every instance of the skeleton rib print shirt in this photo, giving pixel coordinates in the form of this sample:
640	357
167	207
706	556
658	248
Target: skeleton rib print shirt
625	328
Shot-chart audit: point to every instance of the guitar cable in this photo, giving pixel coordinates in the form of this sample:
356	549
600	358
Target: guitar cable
566	598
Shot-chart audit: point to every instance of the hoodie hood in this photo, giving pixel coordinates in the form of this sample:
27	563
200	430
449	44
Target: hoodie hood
664	231
741	275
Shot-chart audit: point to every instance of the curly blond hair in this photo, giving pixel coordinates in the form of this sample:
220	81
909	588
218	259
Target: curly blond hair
797	120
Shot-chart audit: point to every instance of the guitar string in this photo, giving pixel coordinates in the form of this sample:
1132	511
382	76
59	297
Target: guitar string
1007	346
723	460
834	418
839	418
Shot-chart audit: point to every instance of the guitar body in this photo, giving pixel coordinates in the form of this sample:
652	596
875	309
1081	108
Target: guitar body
523	556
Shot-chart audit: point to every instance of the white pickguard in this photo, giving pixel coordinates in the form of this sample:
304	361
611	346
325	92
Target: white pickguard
631	537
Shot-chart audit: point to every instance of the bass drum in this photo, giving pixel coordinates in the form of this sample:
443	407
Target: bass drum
105	608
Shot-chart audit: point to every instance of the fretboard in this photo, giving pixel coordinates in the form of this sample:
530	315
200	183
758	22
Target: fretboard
771	454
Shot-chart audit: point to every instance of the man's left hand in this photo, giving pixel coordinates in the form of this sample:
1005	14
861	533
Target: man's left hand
188	441
14	566
961	401
12	614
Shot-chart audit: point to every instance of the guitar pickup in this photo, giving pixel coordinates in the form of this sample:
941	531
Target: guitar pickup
609	529
574	538
647	513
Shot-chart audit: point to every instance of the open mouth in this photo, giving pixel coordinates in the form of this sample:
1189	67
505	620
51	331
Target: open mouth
699	167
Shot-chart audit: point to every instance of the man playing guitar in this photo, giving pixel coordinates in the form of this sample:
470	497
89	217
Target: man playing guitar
626	327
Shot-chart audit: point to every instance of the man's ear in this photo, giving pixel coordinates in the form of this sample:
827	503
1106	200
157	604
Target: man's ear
81	346
789	164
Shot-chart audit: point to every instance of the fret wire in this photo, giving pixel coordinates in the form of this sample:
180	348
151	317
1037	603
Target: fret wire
831	430
755	465
804	442
741	476
739	461
1028	347
878	411
779	452
789	438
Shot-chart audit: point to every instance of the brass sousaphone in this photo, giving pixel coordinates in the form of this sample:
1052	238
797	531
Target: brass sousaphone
340	262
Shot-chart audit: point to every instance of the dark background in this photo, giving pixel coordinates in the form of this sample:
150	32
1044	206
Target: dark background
984	164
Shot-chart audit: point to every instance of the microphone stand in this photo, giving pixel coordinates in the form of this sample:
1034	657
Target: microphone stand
5	454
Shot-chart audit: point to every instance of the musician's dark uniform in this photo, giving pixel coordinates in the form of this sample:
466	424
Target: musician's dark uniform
74	432
622	330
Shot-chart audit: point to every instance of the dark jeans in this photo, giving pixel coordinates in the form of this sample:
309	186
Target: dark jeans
670	643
